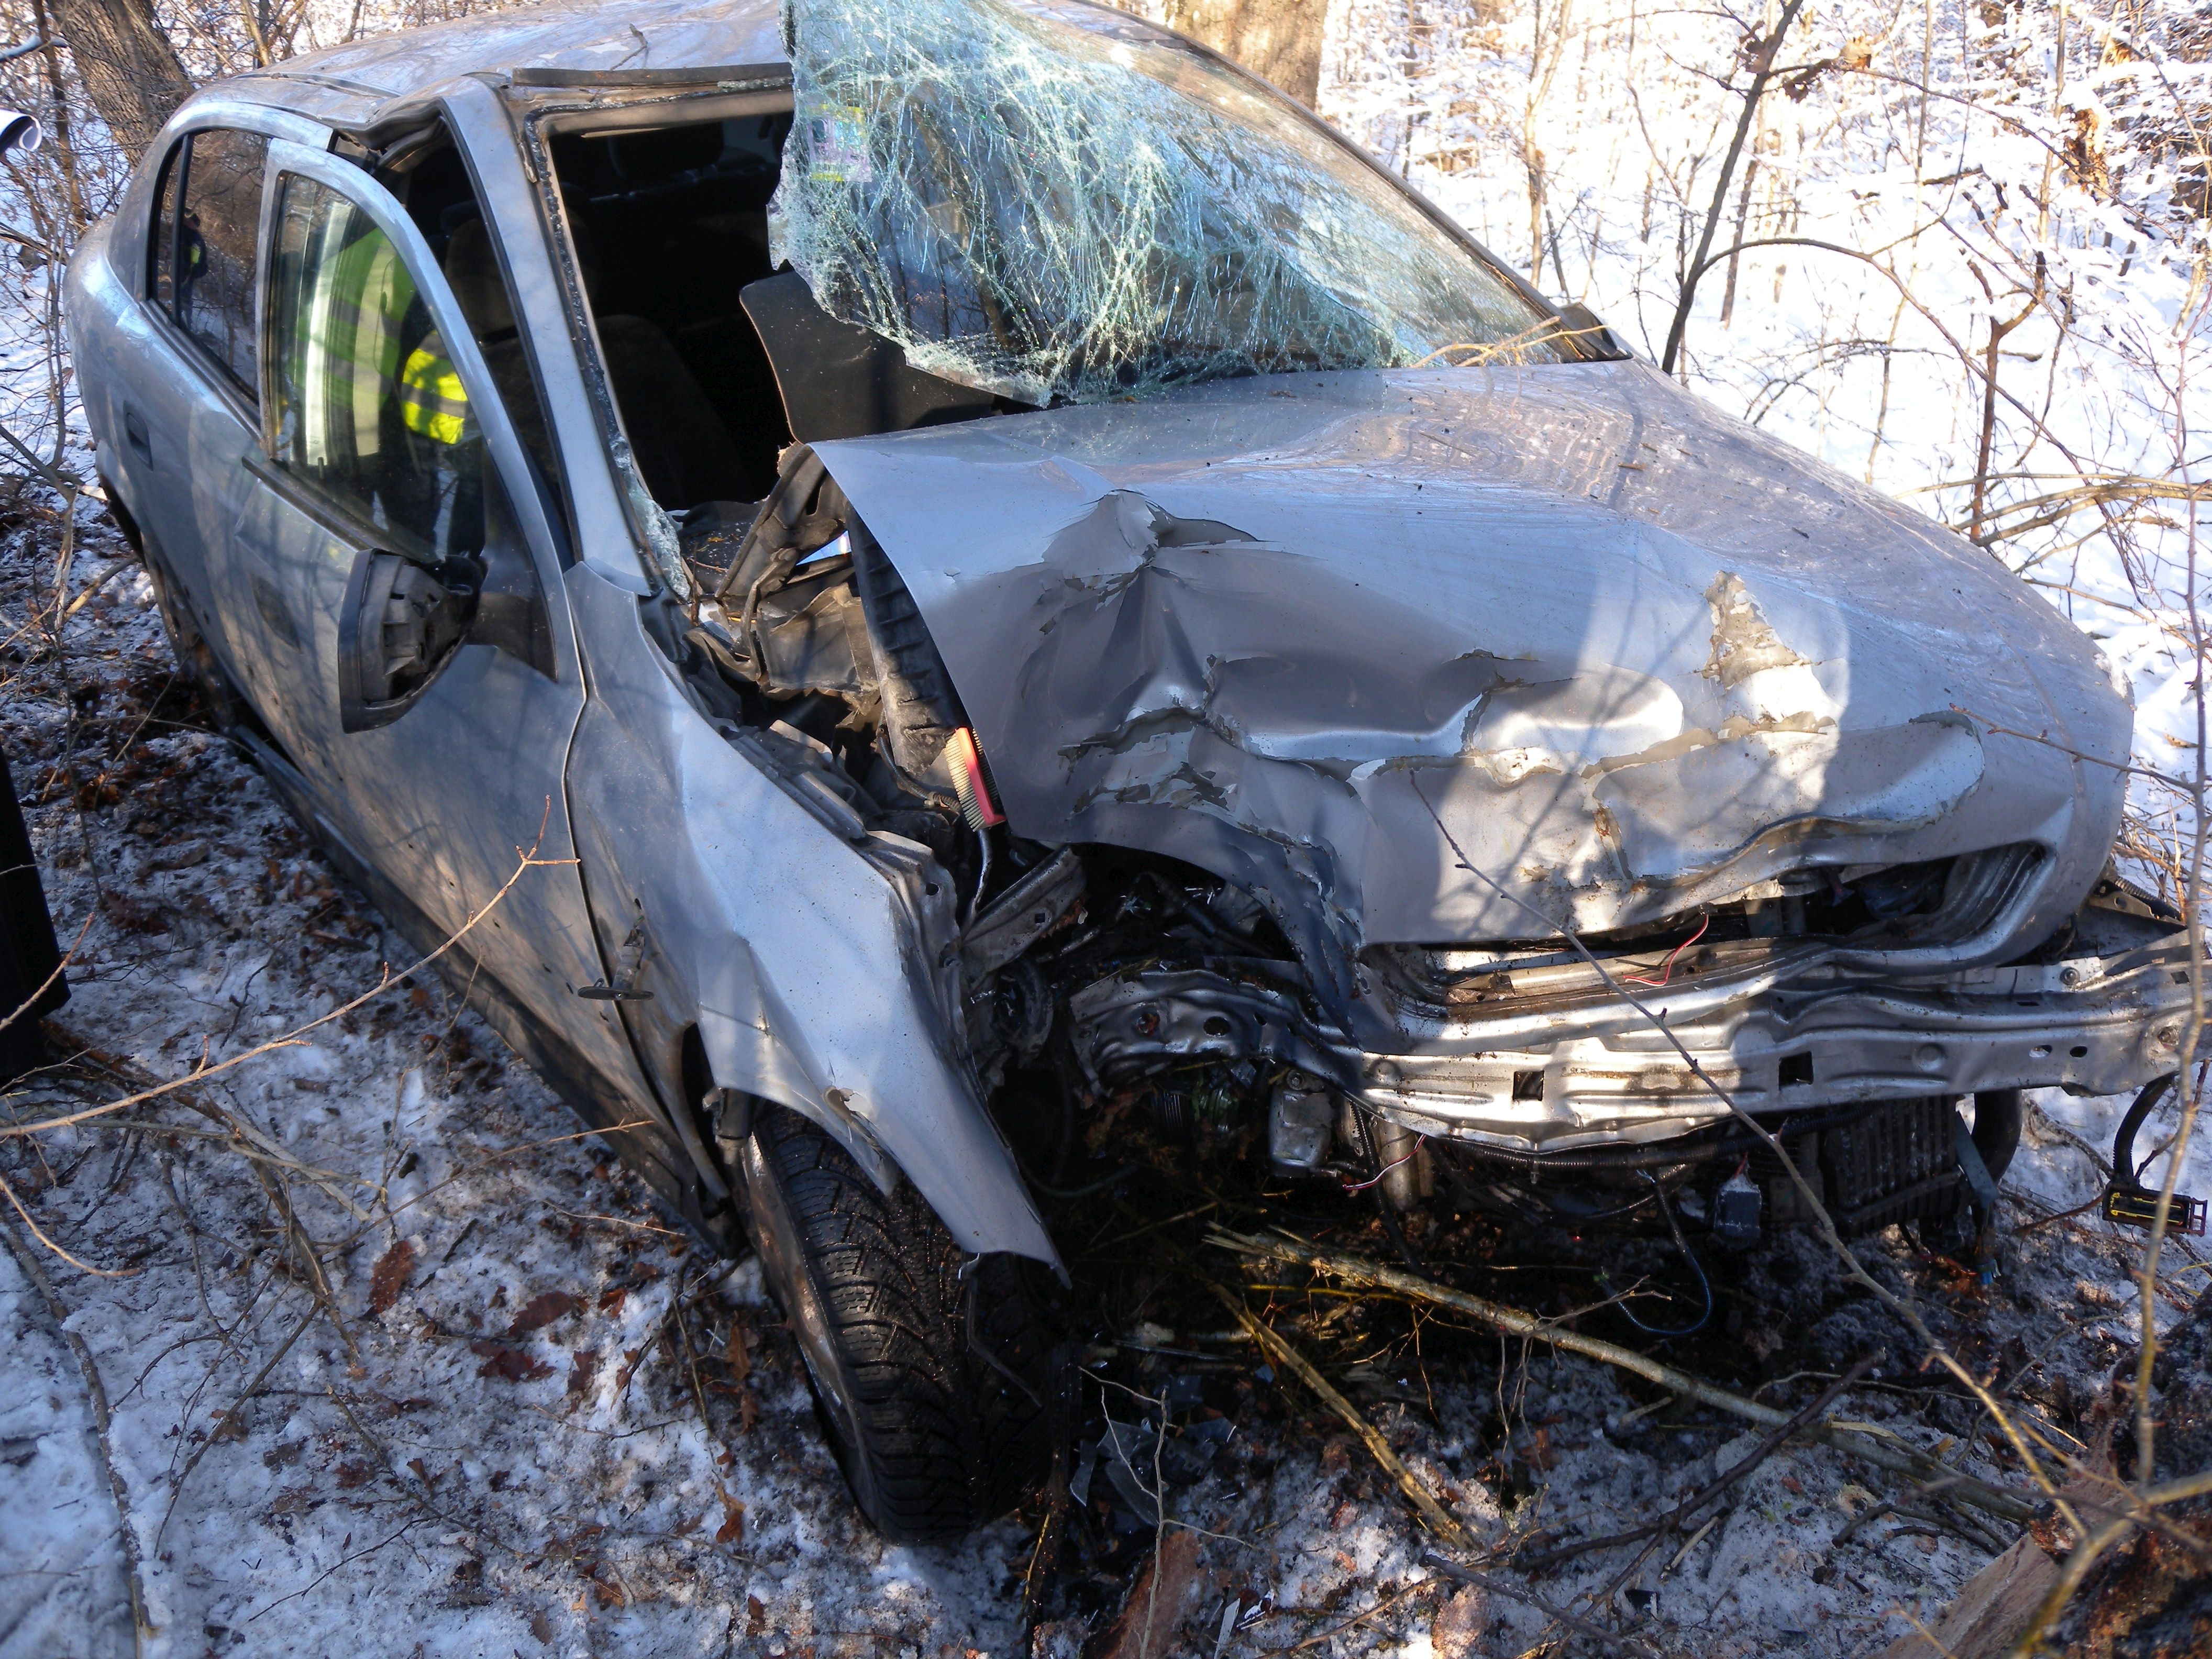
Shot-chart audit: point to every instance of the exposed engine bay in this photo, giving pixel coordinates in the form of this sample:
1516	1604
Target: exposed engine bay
1305	891
1100	985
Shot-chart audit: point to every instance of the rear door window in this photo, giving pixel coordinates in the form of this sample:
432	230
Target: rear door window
161	264
206	249
365	402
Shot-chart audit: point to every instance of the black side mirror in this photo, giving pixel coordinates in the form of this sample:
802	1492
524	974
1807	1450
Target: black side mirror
1592	338
402	622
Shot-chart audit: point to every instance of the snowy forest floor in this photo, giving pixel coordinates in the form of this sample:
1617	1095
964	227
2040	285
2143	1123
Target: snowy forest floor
527	1415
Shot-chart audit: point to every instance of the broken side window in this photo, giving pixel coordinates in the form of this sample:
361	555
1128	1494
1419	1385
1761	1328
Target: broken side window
1049	208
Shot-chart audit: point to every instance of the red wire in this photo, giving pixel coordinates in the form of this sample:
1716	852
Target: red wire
1667	972
1361	1186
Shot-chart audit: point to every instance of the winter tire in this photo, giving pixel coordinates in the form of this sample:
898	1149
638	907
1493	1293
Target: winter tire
929	1366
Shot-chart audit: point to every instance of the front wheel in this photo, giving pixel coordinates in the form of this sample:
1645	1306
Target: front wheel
929	1366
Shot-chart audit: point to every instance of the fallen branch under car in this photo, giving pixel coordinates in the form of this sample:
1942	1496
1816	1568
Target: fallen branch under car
1440	1522
1959	1487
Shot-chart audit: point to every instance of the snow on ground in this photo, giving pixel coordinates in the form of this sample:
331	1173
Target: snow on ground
552	1423
565	1429
64	1586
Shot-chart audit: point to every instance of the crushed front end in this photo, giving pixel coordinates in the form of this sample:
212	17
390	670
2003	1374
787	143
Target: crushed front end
1529	1080
1522	858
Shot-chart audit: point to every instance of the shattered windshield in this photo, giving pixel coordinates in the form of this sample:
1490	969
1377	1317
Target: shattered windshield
1052	211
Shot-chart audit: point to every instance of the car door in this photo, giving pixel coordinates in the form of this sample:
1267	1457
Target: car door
434	676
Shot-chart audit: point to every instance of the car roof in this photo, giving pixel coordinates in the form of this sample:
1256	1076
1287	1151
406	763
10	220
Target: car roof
347	84
632	41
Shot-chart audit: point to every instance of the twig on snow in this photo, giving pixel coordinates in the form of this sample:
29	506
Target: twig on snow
1440	1522
2010	1505
1720	1483
228	1419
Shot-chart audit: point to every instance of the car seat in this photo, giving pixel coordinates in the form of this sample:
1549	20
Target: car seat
684	452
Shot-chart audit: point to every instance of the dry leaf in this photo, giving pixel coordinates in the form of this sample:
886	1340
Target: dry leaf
738	1352
541	1627
583	1366
755	1616
542	1311
389	1276
1459	1622
1156	1603
1540	1453
733	1529
512	1364
630	1356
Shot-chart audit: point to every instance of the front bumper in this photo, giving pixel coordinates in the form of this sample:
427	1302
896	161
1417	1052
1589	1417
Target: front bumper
1802	1032
2091	1025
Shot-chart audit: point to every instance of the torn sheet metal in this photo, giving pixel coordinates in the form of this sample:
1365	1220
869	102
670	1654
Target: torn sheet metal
1063	203
1635	656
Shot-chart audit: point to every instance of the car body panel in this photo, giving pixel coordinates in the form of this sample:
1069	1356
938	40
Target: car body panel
815	955
446	800
1632	656
738	915
631	38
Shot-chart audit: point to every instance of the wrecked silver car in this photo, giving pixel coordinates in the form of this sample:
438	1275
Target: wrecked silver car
1018	585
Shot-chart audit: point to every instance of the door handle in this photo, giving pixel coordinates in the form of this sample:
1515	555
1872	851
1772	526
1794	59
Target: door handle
134	434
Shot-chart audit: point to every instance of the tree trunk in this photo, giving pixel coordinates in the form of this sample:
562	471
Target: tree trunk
131	71
1279	40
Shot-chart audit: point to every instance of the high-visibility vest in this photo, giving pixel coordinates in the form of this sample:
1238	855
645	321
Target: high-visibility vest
350	326
432	400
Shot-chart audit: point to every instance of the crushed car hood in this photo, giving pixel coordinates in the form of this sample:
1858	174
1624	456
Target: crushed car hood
1626	655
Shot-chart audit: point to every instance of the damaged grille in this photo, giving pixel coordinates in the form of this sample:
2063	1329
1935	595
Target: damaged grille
1872	1165
1791	920
1895	1164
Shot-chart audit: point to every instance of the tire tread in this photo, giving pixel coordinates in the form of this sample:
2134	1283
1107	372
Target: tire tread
950	1441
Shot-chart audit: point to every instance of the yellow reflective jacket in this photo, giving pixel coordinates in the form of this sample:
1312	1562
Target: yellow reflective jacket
432	401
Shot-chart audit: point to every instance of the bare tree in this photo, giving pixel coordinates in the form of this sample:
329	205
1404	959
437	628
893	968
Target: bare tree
1279	40
131	71
1758	55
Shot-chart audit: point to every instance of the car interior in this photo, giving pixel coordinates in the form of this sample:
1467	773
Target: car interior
716	361
669	227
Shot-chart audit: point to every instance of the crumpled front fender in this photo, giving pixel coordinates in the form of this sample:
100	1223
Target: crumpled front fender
809	954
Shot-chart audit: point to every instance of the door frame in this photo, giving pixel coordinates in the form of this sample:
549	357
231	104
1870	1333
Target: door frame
545	1038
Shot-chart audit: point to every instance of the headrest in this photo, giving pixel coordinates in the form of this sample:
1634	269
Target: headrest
473	272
